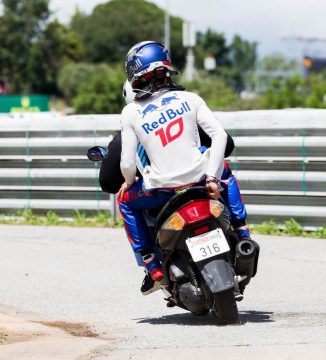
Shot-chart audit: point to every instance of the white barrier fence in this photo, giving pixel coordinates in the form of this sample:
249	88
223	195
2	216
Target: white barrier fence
280	162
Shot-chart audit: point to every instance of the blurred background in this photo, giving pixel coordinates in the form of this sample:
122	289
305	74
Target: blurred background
237	54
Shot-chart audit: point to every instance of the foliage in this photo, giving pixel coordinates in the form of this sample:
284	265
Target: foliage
72	75
32	49
51	218
317	91
296	92
267	228
233	61
57	47
284	94
79	218
293	228
29	217
242	55
277	62
103	219
214	44
112	28
320	233
290	227
38	54
20	25
102	94
213	90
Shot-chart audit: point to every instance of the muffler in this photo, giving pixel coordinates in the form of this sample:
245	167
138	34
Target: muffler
246	259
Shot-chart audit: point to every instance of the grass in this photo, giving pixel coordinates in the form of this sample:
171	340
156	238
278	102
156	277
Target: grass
79	218
103	219
289	228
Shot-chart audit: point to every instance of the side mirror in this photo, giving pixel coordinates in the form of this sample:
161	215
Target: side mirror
97	153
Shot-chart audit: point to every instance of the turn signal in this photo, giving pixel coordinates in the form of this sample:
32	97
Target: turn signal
216	208
175	222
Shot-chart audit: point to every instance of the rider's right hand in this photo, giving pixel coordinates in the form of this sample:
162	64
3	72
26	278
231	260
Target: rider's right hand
213	189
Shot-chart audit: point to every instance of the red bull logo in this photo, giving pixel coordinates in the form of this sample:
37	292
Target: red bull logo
166	116
149	108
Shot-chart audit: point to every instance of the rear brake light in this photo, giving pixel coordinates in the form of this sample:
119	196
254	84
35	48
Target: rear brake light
201	230
193	212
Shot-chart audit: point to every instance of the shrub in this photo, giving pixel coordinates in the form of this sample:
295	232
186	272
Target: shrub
267	228
102	94
293	228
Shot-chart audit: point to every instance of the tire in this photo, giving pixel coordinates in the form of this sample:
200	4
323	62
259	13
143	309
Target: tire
201	313
225	308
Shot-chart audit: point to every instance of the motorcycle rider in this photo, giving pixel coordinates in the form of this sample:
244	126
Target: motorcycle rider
111	177
163	120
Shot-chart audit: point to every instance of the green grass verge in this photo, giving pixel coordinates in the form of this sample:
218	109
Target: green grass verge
289	228
79	218
103	219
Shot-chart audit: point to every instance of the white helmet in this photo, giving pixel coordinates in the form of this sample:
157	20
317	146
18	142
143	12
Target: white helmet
128	93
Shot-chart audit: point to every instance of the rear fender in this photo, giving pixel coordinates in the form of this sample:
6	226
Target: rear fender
217	274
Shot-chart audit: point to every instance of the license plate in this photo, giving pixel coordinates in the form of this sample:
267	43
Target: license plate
207	245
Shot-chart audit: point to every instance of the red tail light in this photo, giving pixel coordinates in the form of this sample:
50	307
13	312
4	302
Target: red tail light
201	230
195	211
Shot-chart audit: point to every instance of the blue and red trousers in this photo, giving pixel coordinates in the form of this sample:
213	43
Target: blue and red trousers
136	200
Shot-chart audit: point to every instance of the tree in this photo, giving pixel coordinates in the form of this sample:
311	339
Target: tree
32	49
71	76
214	90
277	62
213	44
233	61
112	28
56	47
20	25
242	57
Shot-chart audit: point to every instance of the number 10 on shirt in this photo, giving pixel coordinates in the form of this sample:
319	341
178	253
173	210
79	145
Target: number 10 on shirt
171	132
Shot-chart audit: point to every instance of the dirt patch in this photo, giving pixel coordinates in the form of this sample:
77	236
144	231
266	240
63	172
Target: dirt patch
3	337
10	337
75	329
47	340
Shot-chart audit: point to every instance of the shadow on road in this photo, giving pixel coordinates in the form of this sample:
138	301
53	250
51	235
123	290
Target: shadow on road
250	316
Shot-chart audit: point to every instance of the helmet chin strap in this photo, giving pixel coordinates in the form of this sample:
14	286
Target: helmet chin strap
142	94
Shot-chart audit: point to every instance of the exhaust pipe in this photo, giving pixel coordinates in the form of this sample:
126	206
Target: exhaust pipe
246	259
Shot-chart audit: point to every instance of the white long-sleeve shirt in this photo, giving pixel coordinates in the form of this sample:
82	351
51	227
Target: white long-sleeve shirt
166	125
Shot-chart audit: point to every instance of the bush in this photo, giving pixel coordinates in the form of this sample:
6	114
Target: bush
293	228
267	228
320	233
71	76
296	92
102	94
213	90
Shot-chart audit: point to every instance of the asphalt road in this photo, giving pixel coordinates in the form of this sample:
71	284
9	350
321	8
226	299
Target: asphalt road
89	275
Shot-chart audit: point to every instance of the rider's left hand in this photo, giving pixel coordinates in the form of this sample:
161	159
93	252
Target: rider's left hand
124	187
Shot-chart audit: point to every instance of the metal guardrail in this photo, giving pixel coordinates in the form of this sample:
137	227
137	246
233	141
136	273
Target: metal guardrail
279	160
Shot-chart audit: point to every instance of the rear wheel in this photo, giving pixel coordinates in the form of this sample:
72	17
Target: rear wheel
200	313
225	308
